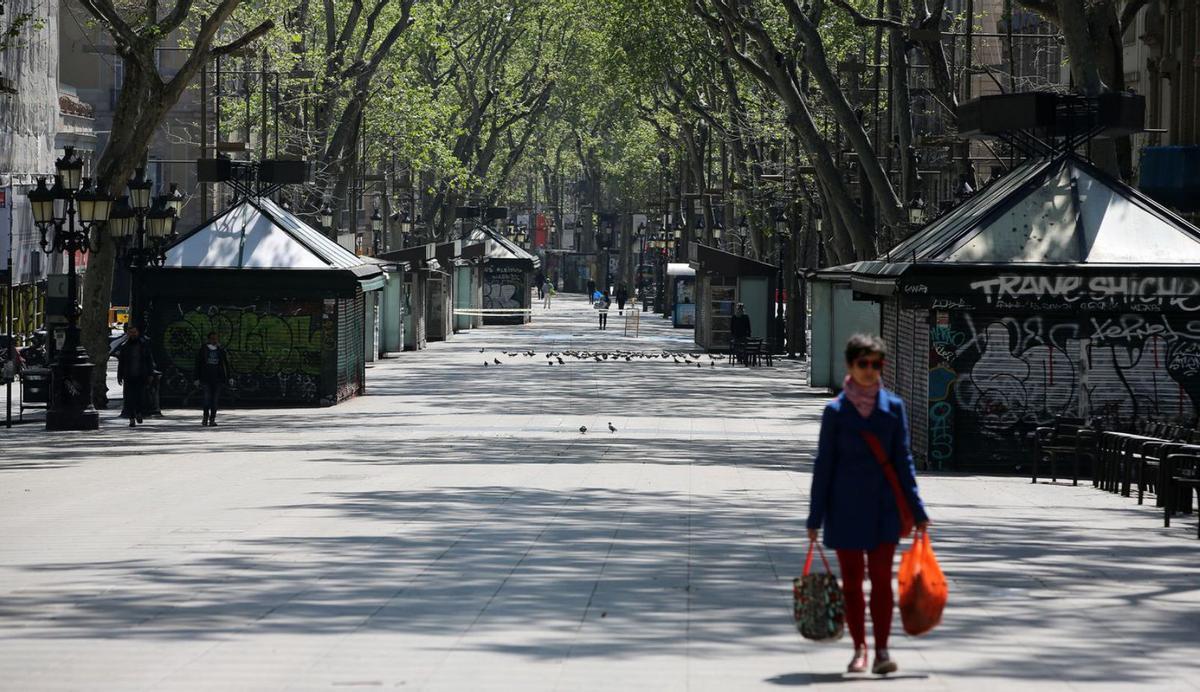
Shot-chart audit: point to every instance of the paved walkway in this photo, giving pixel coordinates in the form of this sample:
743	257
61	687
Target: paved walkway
453	530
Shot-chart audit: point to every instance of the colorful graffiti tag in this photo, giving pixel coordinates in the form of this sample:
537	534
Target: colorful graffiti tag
275	348
1000	376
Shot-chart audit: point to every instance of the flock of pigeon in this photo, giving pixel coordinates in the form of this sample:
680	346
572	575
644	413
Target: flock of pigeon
561	357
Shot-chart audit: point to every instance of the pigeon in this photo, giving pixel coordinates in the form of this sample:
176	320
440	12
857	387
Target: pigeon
485	363
697	365
561	361
496	361
550	363
481	350
712	365
583	428
611	429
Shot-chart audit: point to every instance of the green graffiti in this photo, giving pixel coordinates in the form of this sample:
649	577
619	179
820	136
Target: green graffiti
259	340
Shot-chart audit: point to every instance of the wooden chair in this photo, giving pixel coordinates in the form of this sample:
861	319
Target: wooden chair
1182	479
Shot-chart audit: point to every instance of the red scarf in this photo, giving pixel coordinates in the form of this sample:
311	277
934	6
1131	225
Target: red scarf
863	398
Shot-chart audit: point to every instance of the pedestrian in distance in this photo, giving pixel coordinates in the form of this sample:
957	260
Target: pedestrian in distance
547	291
135	366
591	287
212	372
540	282
864	487
622	297
739	332
603	305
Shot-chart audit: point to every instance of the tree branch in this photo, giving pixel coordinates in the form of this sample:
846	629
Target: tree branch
1046	8
104	11
246	39
862	20
176	16
1129	13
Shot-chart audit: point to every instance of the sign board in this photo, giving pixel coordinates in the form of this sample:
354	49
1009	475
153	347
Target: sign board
57	299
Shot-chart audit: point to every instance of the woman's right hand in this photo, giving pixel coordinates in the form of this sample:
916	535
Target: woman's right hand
812	535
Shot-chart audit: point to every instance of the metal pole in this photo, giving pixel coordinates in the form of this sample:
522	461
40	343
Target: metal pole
203	138
8	317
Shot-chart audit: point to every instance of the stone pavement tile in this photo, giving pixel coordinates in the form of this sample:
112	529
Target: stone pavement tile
453	530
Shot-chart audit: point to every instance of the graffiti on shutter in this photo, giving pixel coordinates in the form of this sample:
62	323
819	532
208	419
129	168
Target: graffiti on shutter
1016	372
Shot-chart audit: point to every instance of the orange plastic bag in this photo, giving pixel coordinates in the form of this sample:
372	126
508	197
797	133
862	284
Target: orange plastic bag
923	590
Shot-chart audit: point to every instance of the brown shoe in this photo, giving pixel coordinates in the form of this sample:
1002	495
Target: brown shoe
858	664
883	663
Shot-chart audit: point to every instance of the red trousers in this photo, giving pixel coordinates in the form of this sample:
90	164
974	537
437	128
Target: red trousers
879	564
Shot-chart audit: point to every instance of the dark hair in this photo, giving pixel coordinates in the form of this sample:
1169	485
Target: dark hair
211	334
864	344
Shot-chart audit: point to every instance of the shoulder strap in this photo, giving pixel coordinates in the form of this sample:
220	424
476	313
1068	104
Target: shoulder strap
876	447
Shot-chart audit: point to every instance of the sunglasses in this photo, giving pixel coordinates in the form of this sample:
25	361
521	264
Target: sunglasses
864	363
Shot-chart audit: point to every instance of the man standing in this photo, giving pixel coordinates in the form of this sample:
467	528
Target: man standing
540	281
547	291
739	332
622	296
135	365
212	370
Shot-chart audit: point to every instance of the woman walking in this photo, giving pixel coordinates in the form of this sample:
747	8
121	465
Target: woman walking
863	445
212	370
603	305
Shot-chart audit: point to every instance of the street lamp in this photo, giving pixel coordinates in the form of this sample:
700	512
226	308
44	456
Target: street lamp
742	233
326	215
376	229
174	200
70	405
143	233
782	235
916	209
717	229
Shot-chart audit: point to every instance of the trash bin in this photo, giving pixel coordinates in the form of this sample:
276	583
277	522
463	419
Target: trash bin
35	386
35	389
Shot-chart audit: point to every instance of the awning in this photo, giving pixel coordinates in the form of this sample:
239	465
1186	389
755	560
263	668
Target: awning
710	259
680	269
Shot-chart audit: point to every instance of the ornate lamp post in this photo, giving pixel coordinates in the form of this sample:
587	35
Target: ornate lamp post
376	230
782	235
55	210
142	233
678	229
916	210
326	215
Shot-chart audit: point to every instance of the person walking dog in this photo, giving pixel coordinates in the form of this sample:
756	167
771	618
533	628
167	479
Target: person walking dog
212	371
863	464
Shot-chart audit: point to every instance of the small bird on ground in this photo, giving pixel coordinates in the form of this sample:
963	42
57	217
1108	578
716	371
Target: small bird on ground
611	429
485	363
561	361
583	428
712	364
697	365
481	350
496	361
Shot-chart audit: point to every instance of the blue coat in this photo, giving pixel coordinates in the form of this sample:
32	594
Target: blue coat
851	497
